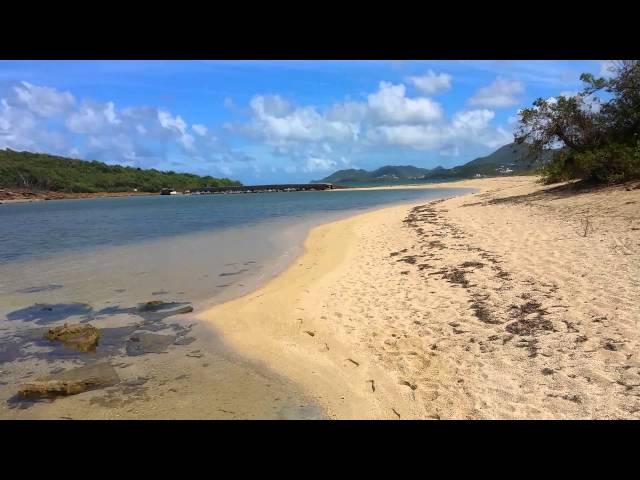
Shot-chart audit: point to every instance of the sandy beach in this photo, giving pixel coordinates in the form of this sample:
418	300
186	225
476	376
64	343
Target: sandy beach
517	302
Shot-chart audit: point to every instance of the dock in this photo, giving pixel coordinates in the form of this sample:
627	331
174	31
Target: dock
288	187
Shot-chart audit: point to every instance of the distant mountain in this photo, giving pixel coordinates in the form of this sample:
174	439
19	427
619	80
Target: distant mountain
388	173
512	159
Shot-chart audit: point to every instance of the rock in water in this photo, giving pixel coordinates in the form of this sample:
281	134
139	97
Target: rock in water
152	306
71	382
80	337
142	343
159	310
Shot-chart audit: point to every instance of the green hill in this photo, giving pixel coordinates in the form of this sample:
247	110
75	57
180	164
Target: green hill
511	159
48	172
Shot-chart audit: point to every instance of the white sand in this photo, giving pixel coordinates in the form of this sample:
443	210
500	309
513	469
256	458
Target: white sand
555	334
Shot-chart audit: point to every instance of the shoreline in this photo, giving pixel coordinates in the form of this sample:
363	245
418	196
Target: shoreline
9	196
496	324
257	392
497	304
266	331
12	196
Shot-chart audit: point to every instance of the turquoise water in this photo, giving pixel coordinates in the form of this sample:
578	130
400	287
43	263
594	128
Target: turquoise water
42	229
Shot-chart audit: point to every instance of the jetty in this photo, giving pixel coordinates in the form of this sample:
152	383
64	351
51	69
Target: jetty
287	187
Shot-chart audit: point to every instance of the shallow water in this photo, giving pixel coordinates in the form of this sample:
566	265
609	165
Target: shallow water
97	260
194	248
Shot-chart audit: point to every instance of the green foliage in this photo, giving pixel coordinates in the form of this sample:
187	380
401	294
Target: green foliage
611	163
600	139
48	172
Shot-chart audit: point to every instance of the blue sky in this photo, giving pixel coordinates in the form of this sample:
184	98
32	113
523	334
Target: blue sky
273	121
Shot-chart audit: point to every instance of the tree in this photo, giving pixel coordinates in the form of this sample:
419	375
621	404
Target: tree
599	139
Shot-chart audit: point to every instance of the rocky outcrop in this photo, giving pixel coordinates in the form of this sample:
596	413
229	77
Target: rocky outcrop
71	382
82	337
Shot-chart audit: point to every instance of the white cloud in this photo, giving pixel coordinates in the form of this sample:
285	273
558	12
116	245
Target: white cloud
44	101
176	124
314	164
389	105
470	127
501	93
19	130
431	83
472	120
199	129
41	119
93	117
350	112
110	114
271	105
421	137
278	123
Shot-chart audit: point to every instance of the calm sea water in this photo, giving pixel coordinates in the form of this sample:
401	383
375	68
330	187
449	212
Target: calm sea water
192	248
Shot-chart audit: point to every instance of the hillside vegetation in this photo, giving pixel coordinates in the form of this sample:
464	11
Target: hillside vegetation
38	171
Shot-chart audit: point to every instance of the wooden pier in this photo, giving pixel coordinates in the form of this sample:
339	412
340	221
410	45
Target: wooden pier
288	187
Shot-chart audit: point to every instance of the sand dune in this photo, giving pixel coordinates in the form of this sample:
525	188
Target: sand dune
518	301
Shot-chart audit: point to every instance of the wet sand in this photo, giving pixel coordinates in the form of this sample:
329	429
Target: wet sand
177	369
519	301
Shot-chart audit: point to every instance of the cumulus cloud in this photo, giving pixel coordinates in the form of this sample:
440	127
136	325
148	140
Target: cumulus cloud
305	139
501	93
422	137
92	117
19	130
278	122
43	119
350	112
472	120
389	105
431	83
44	101
176	124
465	128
